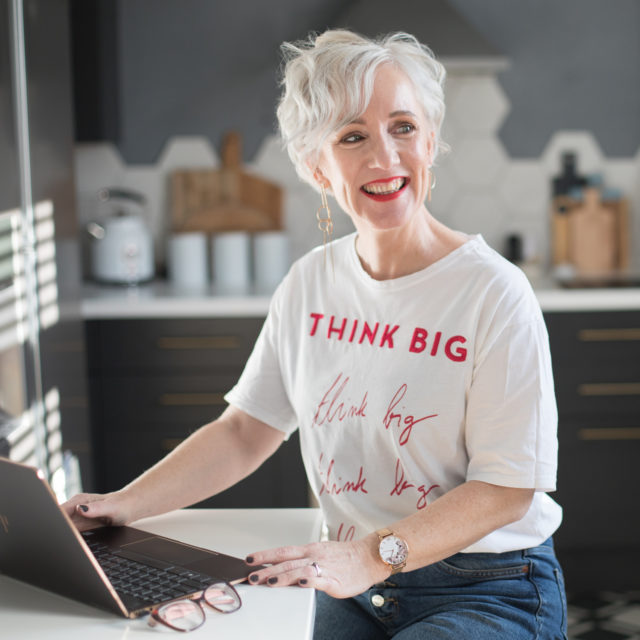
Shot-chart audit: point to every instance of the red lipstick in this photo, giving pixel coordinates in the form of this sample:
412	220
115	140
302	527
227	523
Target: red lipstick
384	197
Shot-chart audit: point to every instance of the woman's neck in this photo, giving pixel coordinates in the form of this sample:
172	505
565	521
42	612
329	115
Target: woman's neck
393	253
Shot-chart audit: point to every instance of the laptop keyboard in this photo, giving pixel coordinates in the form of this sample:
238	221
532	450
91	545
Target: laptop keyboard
147	584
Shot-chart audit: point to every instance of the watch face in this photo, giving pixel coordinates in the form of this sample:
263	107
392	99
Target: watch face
393	550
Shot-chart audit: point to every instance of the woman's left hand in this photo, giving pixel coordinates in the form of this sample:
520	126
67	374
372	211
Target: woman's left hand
342	569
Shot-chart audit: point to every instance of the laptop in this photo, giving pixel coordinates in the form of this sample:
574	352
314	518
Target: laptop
121	569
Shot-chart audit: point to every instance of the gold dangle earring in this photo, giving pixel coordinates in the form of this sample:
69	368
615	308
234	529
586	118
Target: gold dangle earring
432	184
325	224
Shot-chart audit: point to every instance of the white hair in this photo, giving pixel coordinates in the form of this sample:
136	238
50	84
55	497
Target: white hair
328	82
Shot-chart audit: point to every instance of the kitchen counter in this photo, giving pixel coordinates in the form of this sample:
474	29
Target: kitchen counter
285	614
159	299
555	298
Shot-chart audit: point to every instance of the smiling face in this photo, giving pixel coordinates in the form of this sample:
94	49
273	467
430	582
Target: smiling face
378	165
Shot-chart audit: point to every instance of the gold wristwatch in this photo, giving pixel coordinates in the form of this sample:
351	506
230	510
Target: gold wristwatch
393	550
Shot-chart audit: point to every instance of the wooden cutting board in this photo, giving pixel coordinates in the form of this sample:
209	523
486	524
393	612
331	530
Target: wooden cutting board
225	199
592	236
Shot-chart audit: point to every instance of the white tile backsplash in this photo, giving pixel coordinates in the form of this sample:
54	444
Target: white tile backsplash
589	155
188	152
479	187
478	105
481	212
272	162
479	162
525	189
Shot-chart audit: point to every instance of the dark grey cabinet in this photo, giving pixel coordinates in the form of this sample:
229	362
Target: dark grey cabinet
154	381
596	363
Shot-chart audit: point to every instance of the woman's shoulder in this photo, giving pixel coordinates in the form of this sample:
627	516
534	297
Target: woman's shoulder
311	273
501	285
492	266
317	258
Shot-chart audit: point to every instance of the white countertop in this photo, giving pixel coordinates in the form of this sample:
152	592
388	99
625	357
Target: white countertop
160	300
286	613
616	299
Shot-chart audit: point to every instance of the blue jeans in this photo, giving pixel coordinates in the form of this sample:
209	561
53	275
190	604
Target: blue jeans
475	596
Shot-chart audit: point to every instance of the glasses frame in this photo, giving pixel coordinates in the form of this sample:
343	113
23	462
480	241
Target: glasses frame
155	618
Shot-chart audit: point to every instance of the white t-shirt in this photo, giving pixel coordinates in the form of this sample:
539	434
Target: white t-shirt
403	389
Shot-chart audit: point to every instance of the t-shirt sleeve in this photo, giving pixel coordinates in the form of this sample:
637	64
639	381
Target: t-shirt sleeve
260	390
511	414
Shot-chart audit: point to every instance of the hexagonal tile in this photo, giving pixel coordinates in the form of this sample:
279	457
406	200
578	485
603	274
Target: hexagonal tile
452	84
534	231
272	162
525	188
97	166
589	157
450	137
478	104
479	162
481	212
187	152
622	174
446	188
299	219
450	130
634	215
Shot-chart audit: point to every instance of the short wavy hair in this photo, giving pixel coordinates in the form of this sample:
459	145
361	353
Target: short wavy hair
328	82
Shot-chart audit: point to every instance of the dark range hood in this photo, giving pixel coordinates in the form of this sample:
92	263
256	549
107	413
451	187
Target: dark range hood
456	43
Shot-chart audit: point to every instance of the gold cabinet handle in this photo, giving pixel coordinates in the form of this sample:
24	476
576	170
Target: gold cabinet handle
192	398
610	433
609	335
198	342
610	389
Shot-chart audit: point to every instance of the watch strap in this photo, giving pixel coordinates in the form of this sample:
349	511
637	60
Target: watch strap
383	533
395	568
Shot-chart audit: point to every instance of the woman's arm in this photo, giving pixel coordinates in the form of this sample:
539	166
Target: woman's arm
212	459
456	520
449	524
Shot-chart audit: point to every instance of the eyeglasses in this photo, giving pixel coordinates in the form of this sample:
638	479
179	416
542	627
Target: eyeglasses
188	614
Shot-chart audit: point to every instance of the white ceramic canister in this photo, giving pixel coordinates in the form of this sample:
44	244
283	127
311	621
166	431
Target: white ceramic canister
231	262
271	260
187	260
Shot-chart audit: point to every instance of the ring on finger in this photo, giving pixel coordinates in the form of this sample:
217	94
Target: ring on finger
316	566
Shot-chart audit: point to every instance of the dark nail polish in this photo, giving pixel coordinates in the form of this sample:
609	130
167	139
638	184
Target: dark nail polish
303	581
249	559
272	580
83	507
253	578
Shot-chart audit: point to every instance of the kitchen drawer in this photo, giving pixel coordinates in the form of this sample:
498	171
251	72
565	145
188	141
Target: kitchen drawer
147	404
599	428
597	482
594	394
194	343
597	380
600	343
155	381
595	361
279	483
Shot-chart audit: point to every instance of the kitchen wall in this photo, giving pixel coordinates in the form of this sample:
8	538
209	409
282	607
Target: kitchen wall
571	85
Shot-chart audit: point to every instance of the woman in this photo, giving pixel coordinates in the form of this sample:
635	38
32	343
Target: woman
415	362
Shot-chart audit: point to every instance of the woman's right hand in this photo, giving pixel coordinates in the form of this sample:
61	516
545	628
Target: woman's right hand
92	510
